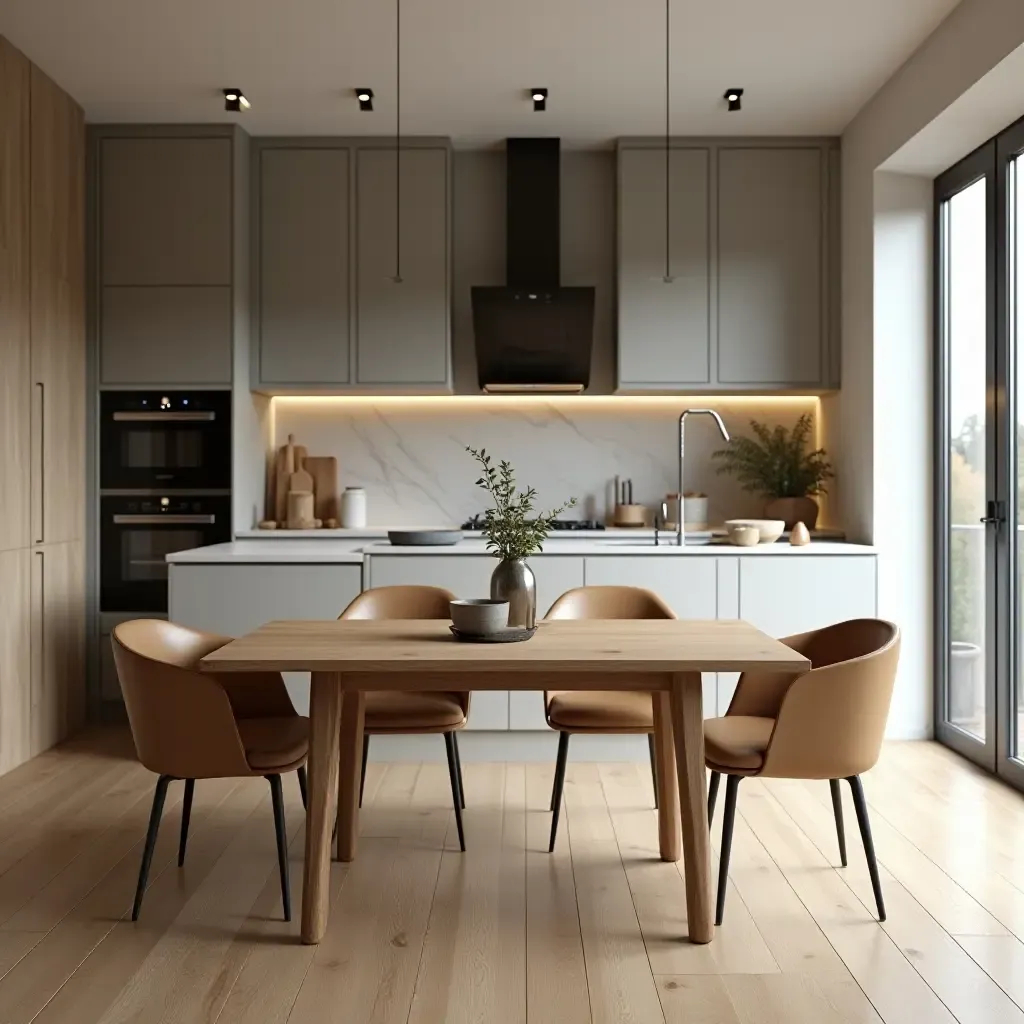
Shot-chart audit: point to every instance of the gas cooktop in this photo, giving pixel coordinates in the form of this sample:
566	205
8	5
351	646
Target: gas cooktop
477	523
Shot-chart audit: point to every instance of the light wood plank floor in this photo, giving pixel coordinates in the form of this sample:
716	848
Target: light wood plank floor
423	934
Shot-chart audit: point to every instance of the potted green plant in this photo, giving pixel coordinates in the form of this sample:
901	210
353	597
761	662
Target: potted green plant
514	532
780	465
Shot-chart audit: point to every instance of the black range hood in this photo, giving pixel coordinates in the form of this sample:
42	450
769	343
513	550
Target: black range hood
533	335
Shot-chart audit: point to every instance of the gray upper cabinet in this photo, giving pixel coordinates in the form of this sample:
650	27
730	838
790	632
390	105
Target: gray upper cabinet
402	325
668	321
303	260
330	316
166	275
166	211
749	304
770	266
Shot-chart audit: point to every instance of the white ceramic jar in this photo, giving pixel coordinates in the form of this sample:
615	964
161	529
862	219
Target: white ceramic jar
353	508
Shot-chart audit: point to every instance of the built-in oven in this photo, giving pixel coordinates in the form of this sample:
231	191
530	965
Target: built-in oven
137	532
166	440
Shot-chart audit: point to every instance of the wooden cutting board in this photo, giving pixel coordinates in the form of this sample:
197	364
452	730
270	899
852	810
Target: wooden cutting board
290	457
324	471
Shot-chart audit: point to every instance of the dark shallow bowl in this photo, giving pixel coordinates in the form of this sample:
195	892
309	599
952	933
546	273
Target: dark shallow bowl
424	538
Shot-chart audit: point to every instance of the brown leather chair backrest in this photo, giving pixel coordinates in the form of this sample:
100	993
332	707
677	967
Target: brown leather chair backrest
182	720
830	721
609	603
406	602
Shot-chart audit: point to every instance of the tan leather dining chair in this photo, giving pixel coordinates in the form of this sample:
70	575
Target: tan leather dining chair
827	723
394	712
600	711
190	725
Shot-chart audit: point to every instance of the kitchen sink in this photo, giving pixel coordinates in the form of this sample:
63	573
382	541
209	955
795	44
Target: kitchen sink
696	540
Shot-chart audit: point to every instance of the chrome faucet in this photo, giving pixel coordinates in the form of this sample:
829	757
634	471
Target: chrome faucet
681	515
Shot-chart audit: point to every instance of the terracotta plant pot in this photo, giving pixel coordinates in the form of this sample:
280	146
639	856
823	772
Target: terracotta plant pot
793	510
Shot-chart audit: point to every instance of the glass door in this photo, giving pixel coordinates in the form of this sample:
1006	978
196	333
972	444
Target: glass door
967	477
979	707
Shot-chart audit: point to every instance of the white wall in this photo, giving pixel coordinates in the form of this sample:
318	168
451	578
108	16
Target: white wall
903	433
881	421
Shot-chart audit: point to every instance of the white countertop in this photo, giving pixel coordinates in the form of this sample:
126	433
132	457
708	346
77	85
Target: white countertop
257	552
352	551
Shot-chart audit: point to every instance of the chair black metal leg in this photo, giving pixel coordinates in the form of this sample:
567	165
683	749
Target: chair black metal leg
732	784
654	767
301	772
147	853
556	792
869	846
458	769
277	798
716	778
362	777
186	814
837	809
453	774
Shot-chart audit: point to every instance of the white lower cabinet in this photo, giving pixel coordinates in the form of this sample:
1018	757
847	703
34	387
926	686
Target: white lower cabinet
236	599
689	586
788	595
470	576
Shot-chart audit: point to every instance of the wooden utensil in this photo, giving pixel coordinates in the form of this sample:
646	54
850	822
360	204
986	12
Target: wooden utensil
324	471
301	480
290	457
300	510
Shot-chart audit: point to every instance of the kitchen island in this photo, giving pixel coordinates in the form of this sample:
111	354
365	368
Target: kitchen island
234	588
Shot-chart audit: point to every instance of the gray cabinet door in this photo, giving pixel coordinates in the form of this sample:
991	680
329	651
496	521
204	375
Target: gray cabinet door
402	327
304	266
664	326
770	265
165	336
165	213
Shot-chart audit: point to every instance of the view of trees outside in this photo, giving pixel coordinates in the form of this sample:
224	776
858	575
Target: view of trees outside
966	341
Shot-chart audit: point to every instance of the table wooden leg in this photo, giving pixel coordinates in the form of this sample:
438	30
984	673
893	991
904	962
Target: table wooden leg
688	725
351	759
668	786
324	723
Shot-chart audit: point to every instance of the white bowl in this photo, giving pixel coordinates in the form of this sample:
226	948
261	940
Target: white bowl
479	616
769	529
745	536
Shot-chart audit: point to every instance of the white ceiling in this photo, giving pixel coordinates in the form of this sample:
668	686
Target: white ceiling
807	65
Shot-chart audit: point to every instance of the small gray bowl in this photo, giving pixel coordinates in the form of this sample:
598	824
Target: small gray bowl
479	616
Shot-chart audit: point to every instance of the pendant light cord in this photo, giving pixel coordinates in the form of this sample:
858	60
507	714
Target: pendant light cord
398	141
668	188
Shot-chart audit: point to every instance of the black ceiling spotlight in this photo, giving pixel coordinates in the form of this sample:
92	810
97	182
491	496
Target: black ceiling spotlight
540	99
365	97
734	97
234	100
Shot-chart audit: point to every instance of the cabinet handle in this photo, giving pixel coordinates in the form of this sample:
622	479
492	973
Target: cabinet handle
38	669
41	526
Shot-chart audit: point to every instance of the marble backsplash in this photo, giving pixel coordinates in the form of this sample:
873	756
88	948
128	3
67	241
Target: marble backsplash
409	453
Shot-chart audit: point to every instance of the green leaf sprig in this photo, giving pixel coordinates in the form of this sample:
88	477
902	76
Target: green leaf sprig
512	529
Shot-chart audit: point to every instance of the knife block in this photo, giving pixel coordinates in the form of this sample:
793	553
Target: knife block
630	515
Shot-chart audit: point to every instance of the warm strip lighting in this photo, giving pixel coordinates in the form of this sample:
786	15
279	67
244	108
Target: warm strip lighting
625	403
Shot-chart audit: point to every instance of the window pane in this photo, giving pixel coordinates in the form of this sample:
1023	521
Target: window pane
966	295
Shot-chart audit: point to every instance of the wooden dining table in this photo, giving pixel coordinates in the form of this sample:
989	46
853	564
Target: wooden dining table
350	657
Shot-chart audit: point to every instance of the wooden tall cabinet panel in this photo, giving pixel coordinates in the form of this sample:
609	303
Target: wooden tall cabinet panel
771	260
15	338
667	323
58	643
165	211
402	327
57	313
15	657
303	259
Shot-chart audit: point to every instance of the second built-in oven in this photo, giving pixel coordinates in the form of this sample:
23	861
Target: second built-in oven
138	532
